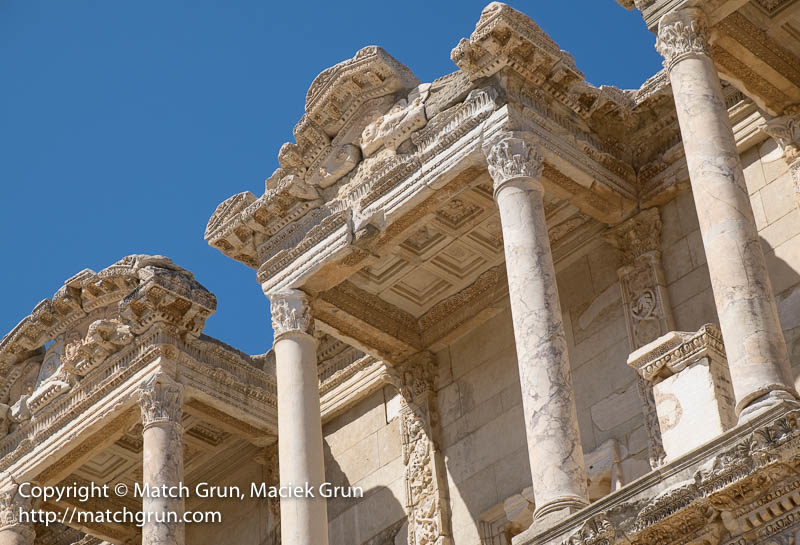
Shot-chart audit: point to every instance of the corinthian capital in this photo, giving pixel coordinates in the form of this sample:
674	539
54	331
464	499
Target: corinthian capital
637	235
11	504
161	400
682	33
291	312
512	158
786	131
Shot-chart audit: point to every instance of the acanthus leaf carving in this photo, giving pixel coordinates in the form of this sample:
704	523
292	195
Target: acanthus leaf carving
682	33
291	313
160	400
512	158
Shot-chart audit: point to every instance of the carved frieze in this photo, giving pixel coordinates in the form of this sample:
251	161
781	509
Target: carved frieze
426	497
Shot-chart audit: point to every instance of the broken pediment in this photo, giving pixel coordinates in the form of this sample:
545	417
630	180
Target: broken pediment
92	316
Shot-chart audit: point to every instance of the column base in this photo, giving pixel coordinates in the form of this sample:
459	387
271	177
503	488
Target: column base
557	510
765	402
548	516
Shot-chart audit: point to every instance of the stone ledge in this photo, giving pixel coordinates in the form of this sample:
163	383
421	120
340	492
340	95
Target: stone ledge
722	488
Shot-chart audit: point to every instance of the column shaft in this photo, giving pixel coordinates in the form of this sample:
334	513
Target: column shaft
161	401
551	423
757	355
304	520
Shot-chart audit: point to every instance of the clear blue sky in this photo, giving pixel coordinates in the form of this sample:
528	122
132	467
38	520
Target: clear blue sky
123	123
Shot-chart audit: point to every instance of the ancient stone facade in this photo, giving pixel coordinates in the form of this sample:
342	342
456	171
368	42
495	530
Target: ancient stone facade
508	306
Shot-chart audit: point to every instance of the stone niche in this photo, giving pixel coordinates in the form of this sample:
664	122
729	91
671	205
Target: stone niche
691	386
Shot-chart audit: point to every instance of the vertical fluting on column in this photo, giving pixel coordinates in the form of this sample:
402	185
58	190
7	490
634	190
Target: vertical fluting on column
551	422
13	531
757	355
304	521
786	131
161	402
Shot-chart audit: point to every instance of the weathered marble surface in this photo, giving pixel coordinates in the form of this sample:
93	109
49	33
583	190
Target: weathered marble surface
691	385
554	447
757	355
12	531
303	520
161	402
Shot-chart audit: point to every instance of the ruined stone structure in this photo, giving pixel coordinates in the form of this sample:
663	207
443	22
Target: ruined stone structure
509	305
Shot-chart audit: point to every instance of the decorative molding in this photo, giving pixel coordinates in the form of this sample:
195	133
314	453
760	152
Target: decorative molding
160	400
291	313
426	486
648	313
673	357
681	34
636	236
786	131
512	158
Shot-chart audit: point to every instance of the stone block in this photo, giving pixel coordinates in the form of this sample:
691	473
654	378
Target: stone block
772	160
691	386
778	198
753	171
616	409
390	444
782	229
689	285
696	311
687	212
677	260
696	249
757	204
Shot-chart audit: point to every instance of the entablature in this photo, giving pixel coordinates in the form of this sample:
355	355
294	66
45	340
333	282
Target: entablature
70	376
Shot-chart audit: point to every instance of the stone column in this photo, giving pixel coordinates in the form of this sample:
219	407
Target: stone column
786	131
551	422
14	531
304	521
757	355
161	402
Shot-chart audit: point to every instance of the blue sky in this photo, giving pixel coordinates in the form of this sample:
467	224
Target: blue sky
124	123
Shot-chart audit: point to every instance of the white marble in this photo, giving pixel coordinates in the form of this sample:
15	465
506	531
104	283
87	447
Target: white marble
161	402
304	521
12	530
757	355
551	423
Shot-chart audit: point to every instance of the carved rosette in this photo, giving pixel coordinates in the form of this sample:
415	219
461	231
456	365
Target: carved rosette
291	313
514	158
11	504
681	34
160	400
